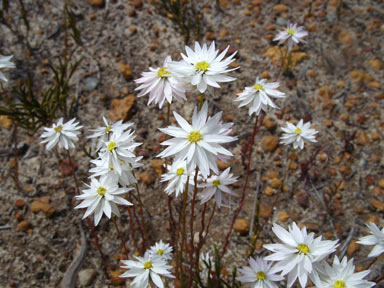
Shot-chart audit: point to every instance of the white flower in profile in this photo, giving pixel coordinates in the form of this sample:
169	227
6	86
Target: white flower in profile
104	132
177	177
297	134
61	133
5	63
341	275
260	273
204	67
199	142
216	185
377	239
127	165
146	268
161	249
161	84
300	253
102	197
118	149
258	96
293	33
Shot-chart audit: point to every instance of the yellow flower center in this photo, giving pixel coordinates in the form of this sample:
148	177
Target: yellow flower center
194	136
340	284
108	129
148	265
111	146
160	252
202	66
258	87
303	249
291	32
216	182
111	167
261	275
58	129
298	131
180	171
162	72
101	191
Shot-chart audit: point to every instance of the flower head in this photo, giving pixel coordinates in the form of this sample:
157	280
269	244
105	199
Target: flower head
177	177
297	134
299	254
204	67
127	165
102	197
216	186
161	249
161	84
341	275
5	64
377	239
104	132
258	96
293	33
199	142
61	133
260	273
146	268
119	149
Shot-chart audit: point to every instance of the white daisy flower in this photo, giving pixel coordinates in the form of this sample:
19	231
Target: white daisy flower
377	239
204	67
300	254
258	96
341	275
104	132
127	165
216	185
297	134
260	273
161	249
118	148
146	268
61	133
102	197
177	177
293	33
161	84
198	143
5	64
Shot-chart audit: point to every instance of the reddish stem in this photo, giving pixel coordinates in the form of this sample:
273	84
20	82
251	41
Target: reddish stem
121	237
255	130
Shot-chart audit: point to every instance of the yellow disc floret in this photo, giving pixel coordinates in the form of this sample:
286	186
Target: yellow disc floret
111	146
148	265
303	249
101	190
180	171
340	284
160	252
194	136
202	66
162	72
258	87
108	129
58	129
216	182
261	275
291	31
298	131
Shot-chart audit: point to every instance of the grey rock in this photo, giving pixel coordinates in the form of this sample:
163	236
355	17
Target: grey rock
91	83
86	277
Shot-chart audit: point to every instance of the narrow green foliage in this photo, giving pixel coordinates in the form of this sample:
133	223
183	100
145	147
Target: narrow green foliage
5	5
31	110
183	14
24	15
70	21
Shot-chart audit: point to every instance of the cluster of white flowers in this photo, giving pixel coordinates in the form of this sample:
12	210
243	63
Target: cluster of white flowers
150	267
302	256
